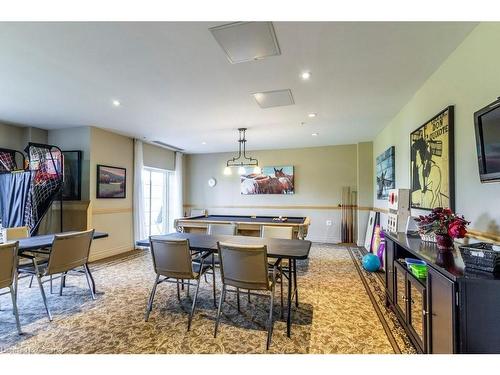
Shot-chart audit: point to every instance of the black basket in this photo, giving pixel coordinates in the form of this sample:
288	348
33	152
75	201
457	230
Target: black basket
481	256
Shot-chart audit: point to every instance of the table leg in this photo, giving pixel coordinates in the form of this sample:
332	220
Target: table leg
289	300
295	283
92	282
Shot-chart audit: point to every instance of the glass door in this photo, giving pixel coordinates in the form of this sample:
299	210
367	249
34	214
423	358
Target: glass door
155	185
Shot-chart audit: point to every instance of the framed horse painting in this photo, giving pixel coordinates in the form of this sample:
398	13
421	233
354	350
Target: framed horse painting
432	163
271	180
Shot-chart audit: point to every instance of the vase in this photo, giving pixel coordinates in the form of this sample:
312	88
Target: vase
444	242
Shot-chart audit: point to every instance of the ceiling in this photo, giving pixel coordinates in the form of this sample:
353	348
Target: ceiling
176	85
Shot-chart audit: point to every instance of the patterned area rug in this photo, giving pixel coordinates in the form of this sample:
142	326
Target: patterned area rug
337	313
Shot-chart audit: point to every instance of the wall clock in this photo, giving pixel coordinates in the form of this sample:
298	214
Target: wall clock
212	182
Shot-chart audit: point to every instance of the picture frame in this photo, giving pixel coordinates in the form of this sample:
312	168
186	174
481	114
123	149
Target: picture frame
278	180
386	172
72	187
111	182
432	173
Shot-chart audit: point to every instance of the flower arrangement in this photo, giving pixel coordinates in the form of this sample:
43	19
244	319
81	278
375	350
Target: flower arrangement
444	224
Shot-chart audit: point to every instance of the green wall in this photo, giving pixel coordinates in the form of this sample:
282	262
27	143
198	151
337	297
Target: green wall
468	79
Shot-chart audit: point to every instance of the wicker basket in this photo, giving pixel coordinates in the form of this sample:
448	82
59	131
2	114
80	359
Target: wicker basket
481	256
428	237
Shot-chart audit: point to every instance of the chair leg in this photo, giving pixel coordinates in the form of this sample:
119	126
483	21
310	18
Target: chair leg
178	291
87	276
188	285
248	295
213	281
15	286
219	309
44	297
31	281
50	284
14	307
194	303
151	298
238	298
271	321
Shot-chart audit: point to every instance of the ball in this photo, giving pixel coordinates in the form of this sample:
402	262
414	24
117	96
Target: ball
371	262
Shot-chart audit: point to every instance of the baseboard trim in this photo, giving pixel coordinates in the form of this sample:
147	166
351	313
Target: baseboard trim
109	252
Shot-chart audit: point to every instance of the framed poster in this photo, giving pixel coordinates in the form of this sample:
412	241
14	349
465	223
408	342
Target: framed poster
111	182
386	179
271	180
72	187
432	163
373	220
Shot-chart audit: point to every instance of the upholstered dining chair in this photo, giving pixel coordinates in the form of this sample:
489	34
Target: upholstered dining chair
222	229
8	270
284	232
18	233
246	267
68	252
172	259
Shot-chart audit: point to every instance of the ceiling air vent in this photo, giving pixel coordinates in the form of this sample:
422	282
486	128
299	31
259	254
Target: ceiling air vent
247	41
166	145
276	98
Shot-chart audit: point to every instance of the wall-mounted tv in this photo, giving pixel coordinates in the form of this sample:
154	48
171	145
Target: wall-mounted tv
487	124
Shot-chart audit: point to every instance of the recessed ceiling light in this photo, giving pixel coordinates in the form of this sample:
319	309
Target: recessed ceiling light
203	143
116	103
314	134
306	75
302	123
312	115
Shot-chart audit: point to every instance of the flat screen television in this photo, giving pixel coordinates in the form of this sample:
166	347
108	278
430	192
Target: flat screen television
487	125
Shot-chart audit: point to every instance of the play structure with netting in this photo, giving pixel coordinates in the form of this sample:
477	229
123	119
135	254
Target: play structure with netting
27	191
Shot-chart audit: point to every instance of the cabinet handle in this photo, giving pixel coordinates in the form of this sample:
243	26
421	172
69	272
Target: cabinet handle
424	313
404	299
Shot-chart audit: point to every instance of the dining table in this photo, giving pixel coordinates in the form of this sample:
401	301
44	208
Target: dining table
43	244
277	248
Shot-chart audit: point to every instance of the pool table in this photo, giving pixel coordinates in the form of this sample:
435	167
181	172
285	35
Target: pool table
247	225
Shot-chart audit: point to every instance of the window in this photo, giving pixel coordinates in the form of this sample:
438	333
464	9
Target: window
155	184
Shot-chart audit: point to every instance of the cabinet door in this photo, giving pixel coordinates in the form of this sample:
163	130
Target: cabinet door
400	299
417	320
441	312
389	270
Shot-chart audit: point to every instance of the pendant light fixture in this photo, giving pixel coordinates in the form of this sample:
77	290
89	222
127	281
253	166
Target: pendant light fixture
242	160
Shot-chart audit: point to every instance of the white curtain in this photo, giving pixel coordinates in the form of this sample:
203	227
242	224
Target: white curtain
176	196
139	227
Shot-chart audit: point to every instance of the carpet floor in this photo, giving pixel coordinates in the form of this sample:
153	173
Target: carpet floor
341	310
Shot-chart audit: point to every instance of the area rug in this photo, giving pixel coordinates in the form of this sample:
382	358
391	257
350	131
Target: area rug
336	314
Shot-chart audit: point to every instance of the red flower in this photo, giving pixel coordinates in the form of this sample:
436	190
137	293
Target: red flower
456	229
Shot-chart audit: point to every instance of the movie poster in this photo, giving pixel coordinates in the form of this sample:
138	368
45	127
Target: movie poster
432	163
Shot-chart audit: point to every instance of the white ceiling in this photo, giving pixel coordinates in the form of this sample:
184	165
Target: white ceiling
176	85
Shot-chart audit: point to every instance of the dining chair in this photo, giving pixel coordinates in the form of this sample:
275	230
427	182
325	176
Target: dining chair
68	252
246	267
18	233
8	270
172	259
283	232
222	229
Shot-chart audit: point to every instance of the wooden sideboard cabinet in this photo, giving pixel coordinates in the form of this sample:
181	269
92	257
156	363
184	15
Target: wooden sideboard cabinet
453	310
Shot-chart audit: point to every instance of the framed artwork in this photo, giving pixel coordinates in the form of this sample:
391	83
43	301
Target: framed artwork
72	187
385	171
111	182
432	163
271	180
373	220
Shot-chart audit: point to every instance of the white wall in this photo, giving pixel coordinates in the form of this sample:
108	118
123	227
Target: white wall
468	79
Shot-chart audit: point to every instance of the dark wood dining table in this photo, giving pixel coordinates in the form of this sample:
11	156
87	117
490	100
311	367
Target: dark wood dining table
277	248
43	244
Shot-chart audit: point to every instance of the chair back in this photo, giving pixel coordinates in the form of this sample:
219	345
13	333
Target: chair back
69	251
17	233
197	212
244	266
225	229
172	258
269	231
8	263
